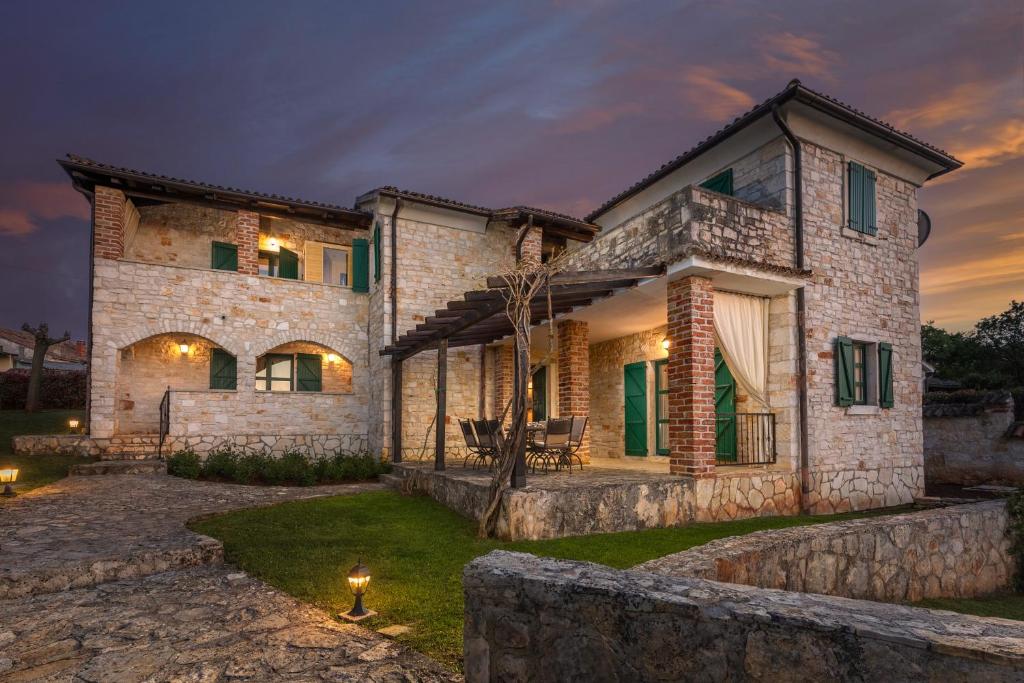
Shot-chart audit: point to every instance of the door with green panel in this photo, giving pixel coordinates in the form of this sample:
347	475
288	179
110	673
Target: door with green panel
725	411
539	398
661	407
635	385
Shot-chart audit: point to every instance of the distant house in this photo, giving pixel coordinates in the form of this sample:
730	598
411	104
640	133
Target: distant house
17	348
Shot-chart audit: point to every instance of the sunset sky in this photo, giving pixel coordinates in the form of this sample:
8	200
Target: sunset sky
553	104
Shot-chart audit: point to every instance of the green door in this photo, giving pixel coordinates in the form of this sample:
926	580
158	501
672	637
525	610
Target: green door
725	411
540	394
635	383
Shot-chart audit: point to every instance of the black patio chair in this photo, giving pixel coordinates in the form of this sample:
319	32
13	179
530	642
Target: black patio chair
487	432
473	448
555	445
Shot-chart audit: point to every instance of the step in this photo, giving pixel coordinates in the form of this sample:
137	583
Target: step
149	453
150	466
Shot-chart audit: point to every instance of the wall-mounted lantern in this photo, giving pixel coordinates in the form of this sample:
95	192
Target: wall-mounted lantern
183	347
333	358
665	343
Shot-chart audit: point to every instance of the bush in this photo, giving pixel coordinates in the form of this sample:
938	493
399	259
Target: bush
58	389
292	468
1015	511
184	464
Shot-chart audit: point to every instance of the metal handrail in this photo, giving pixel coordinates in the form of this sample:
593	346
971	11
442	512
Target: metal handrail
165	421
753	436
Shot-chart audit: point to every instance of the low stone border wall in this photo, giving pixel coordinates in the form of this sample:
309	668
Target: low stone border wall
529	618
974	443
559	505
952	552
84	445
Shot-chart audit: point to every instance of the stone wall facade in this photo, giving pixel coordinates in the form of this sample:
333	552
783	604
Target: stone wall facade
972	444
538	619
954	552
862	287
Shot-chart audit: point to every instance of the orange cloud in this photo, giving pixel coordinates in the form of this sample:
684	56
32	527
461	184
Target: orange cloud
712	97
795	55
593	119
24	205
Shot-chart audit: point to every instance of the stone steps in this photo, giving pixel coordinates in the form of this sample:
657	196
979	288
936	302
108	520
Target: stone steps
131	447
148	466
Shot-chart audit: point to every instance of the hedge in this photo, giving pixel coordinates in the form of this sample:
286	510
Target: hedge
293	467
59	389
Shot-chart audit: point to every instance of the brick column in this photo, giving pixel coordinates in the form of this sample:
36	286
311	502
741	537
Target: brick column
502	368
574	375
531	250
691	377
247	237
108	217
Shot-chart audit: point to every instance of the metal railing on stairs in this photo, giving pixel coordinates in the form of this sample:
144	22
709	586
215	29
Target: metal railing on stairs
165	421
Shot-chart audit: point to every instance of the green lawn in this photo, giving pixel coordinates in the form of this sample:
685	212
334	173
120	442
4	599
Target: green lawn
415	549
1005	605
35	470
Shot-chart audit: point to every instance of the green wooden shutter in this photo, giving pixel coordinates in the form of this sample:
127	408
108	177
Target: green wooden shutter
635	386
856	196
288	264
377	258
308	376
360	265
223	370
720	183
885	384
844	371
870	223
725	411
224	256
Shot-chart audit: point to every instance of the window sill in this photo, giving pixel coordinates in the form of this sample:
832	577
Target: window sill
861	237
264	392
863	410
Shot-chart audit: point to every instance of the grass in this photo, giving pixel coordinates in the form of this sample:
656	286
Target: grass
35	470
416	549
1004	605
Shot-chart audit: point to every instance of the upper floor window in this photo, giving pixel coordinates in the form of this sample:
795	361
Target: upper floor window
861	199
336	265
224	256
282	263
721	182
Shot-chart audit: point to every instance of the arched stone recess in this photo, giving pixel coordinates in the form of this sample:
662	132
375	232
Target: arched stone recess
219	336
348	349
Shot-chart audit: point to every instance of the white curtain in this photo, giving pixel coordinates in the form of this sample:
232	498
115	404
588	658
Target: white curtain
741	325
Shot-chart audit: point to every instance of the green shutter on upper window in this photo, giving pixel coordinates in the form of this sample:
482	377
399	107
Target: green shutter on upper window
308	375
223	370
862	199
224	256
360	265
720	183
844	371
377	257
287	264
885	383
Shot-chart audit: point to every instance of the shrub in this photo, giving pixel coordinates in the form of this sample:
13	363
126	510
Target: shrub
1015	511
184	464
58	389
293	467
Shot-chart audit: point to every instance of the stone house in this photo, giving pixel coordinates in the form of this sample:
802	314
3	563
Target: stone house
770	353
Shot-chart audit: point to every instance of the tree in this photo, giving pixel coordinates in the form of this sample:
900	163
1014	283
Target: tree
42	345
1003	336
991	356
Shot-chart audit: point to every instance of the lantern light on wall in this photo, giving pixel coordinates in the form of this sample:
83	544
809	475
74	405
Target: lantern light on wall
183	347
665	343
8	476
358	580
333	358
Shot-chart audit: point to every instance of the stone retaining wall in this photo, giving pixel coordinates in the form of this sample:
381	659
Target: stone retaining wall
529	618
145	446
954	552
973	444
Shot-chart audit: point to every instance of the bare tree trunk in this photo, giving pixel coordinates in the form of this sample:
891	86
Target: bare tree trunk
42	345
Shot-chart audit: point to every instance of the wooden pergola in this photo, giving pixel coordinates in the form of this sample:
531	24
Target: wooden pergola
478	319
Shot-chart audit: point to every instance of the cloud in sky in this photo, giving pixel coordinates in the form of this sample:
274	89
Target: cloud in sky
798	56
27	205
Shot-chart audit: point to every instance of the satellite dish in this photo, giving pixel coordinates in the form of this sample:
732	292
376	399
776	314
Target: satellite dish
924	227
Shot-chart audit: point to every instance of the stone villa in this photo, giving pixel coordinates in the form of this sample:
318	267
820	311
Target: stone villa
750	332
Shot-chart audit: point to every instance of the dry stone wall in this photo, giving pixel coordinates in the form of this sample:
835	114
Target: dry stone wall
539	619
954	552
973	443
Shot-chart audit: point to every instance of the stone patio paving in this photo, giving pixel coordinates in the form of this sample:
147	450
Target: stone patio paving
101	581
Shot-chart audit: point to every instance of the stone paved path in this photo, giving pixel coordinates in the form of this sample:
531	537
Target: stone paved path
102	582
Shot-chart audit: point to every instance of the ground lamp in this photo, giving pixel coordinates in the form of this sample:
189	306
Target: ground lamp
8	476
73	423
358	580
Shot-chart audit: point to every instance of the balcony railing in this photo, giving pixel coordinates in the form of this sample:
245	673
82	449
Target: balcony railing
745	438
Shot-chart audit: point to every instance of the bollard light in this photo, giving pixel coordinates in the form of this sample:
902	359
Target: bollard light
358	580
73	423
8	476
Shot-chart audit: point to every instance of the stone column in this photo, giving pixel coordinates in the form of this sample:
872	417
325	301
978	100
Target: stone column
502	367
109	217
691	377
574	375
247	237
531	249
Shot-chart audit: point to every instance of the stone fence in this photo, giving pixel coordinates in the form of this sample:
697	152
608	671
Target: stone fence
535	619
952	552
972	439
